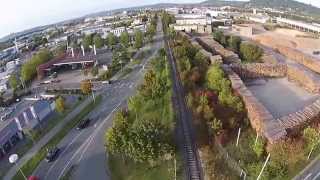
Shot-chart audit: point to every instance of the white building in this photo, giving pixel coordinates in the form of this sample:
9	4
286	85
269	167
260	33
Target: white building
192	19
118	31
174	10
259	18
302	26
193	23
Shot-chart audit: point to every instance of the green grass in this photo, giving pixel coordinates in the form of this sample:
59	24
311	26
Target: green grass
129	170
30	165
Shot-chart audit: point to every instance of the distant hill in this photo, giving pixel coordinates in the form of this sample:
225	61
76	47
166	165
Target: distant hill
220	3
287	5
295	6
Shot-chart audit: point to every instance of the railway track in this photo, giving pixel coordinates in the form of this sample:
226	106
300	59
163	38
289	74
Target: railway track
187	145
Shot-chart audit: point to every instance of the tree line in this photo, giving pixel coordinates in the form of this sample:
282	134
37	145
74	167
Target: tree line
143	132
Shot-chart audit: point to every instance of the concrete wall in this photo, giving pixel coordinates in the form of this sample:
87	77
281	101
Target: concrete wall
260	118
213	58
229	57
299	57
306	114
304	78
258	70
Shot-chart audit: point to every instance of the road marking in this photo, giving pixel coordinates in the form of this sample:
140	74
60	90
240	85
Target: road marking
88	140
57	160
315	178
307	177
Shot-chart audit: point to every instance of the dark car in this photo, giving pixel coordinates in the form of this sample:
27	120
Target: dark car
52	154
83	124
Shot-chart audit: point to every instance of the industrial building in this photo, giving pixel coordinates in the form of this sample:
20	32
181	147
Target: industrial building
193	23
301	26
243	30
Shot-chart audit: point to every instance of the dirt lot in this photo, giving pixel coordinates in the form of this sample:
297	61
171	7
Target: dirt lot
285	37
289	38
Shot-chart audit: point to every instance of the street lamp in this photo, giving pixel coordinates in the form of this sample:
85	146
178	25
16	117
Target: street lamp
121	64
13	159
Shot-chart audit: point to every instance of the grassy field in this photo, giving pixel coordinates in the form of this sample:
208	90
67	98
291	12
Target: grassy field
30	165
129	170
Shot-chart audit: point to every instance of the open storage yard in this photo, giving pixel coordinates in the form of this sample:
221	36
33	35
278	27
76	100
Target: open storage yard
280	96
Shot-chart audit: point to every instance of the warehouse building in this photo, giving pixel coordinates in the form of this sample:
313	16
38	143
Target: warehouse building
301	26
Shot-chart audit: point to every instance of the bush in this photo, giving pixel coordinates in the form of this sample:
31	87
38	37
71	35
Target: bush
234	43
250	53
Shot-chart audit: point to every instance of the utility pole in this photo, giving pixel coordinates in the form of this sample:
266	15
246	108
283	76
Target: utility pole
255	142
239	131
93	96
310	152
264	165
175	169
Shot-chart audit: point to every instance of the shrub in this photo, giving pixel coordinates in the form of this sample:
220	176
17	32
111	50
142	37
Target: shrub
250	52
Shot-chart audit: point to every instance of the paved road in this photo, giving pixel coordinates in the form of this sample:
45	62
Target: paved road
311	172
85	149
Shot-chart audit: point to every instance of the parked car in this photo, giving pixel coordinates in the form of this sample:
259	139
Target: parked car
316	52
107	82
33	178
52	154
55	80
53	75
83	124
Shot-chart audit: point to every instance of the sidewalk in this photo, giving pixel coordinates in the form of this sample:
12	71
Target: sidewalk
44	140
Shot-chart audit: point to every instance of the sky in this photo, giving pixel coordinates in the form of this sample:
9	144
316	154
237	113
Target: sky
18	15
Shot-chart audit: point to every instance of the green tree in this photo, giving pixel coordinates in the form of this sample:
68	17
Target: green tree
60	50
94	71
60	104
138	39
258	147
312	137
216	126
215	78
150	142
125	39
14	82
87	41
111	40
86	87
29	69
218	36
151	32
117	136
135	104
250	53
234	43
98	41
